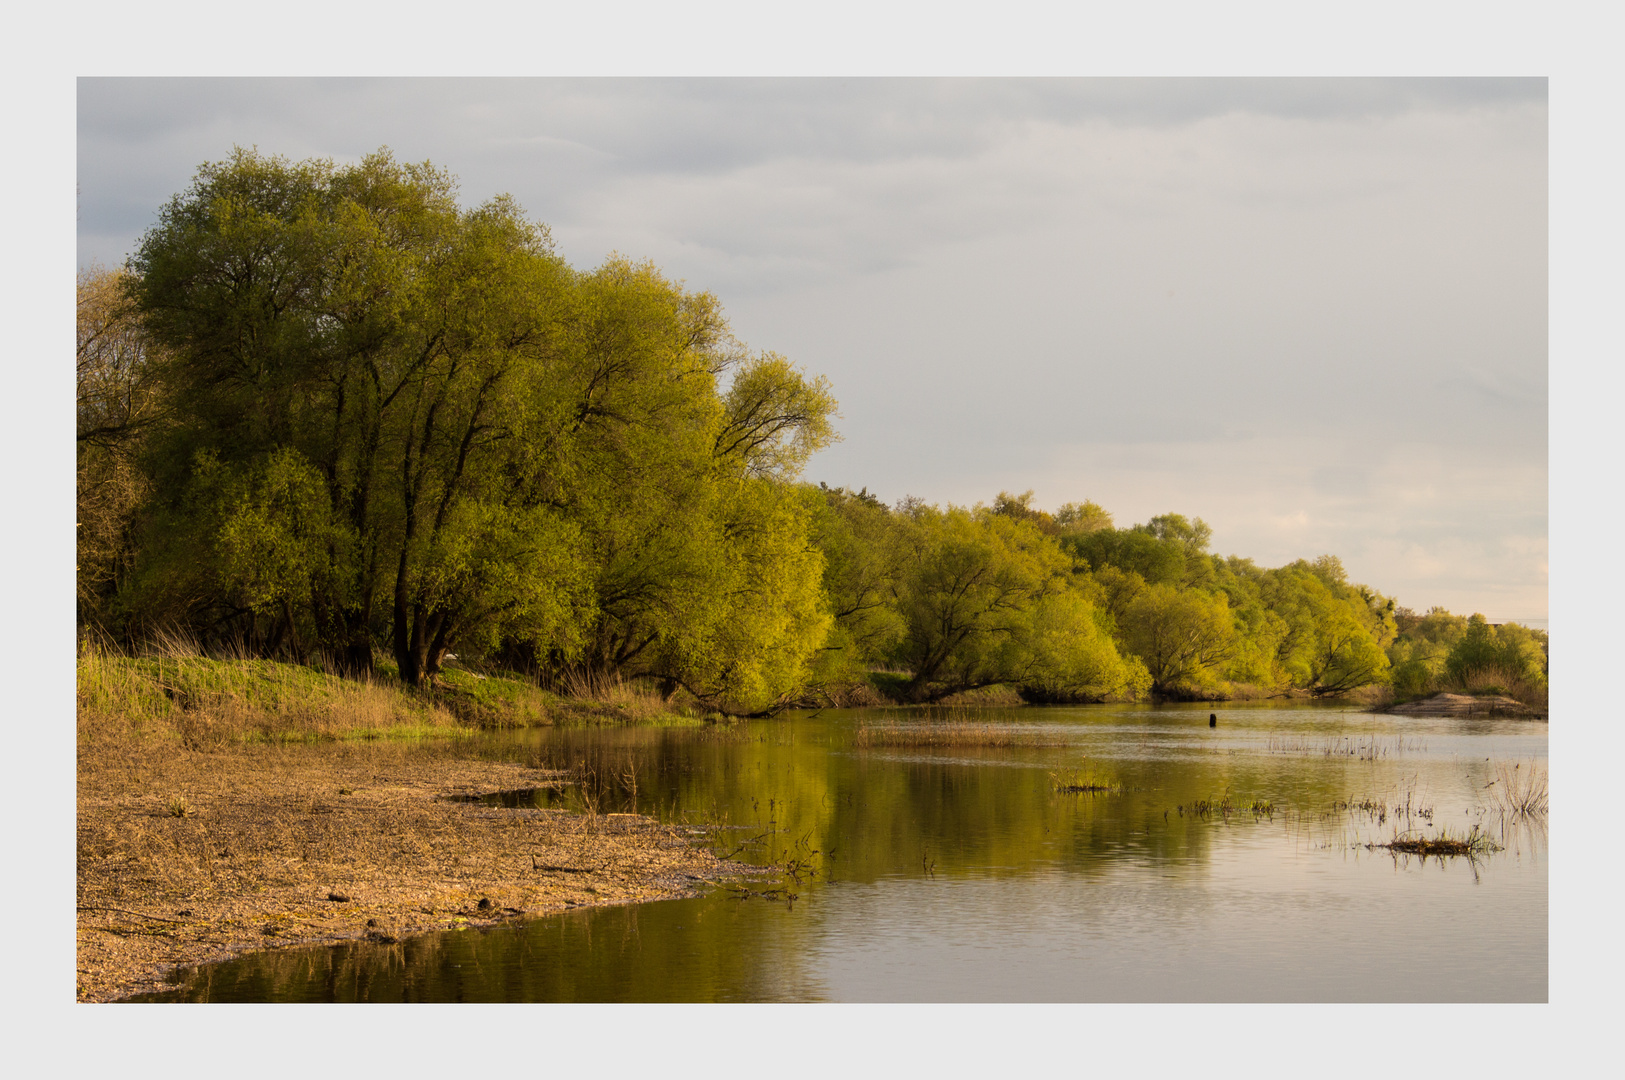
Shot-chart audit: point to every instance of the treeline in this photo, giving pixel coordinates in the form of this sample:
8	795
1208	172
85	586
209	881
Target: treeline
1067	607
327	414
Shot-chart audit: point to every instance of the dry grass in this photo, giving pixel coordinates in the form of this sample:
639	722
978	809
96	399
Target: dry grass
951	727
205	703
624	699
1493	679
172	690
1363	748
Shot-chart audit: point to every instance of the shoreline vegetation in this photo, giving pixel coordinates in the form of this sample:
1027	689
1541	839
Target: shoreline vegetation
361	470
329	416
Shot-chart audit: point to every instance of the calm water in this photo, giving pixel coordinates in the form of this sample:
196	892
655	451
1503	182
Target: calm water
961	874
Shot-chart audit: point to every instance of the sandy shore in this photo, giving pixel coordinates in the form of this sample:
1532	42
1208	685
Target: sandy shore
1467	705
188	858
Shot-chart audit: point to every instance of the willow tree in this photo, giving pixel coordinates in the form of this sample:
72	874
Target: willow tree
702	574
1332	633
1183	636
864	554
356	362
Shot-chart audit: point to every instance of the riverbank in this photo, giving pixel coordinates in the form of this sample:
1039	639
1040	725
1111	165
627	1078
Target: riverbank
232	805
1446	704
189	857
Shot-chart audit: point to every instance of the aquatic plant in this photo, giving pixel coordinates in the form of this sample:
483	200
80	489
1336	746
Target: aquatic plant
1442	844
951	733
1081	782
1519	790
1364	748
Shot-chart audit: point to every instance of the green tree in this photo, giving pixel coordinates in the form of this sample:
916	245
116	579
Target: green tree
1508	656
863	552
1182	636
986	596
1061	653
410	419
1333	635
966	585
1082	517
1167	550
667	477
355	323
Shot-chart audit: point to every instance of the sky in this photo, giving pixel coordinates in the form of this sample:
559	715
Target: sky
1312	312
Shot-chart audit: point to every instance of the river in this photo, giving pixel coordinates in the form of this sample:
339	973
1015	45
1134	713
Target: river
1236	862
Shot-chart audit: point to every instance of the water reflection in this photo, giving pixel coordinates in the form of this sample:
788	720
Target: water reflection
1232	863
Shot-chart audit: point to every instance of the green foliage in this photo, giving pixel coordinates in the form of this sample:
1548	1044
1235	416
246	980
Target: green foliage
1060	653
1182	636
964	599
397	418
1170	551
863	560
774	418
1510	652
1082	518
966	585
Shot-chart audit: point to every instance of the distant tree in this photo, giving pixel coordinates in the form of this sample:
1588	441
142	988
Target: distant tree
1154	559
1073	518
1061	653
1194	535
1507	654
1020	507
863	552
119	400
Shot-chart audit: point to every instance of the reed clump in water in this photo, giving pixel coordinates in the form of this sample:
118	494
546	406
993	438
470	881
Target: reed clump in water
1081	782
1520	790
953	726
1224	806
949	734
1365	748
1473	843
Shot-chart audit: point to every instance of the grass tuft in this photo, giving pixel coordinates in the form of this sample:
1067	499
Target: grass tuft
1080	782
1471	844
1520	790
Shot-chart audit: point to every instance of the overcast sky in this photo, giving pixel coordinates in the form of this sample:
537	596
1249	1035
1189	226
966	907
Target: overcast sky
1312	312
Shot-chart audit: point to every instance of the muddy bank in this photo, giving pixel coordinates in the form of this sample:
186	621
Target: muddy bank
188	858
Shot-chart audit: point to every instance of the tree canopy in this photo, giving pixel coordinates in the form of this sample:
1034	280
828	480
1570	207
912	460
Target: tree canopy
328	411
